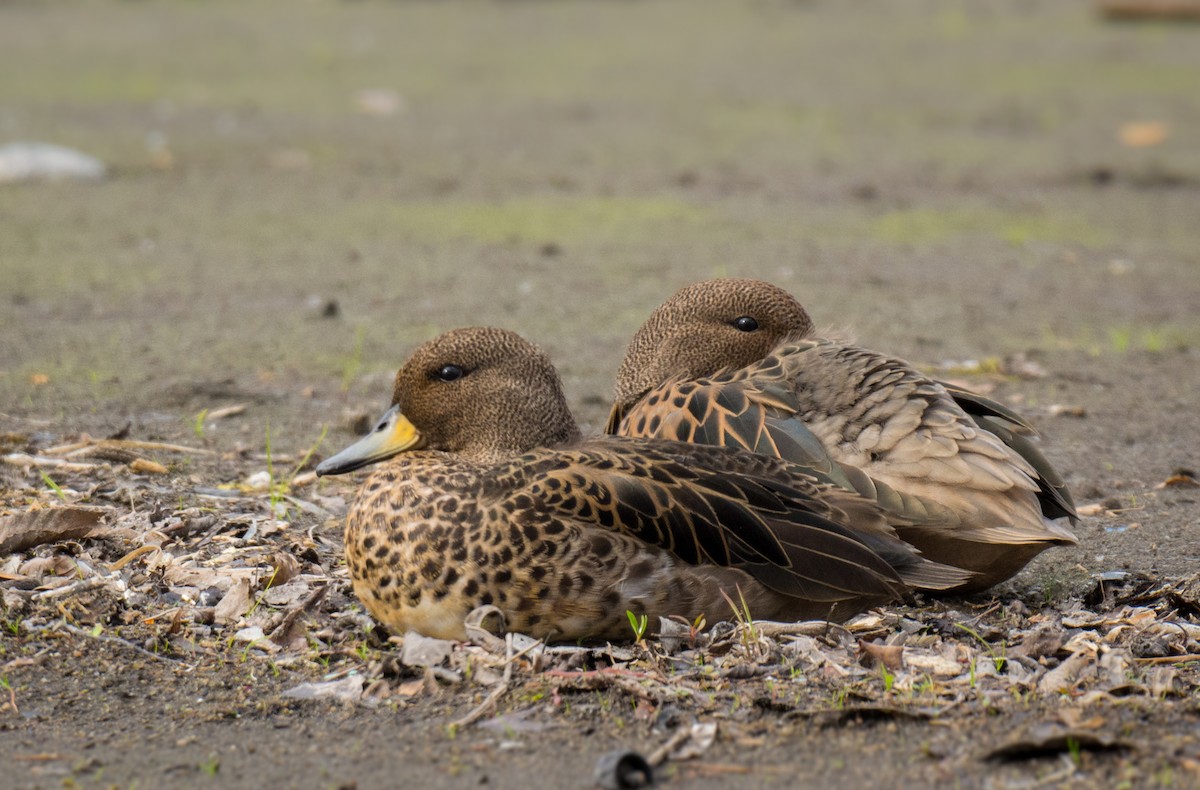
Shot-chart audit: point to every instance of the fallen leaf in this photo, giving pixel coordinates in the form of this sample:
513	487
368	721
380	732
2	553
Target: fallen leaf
932	664
1048	738
424	651
57	565
1183	478
1022	366
700	738
285	568
410	688
1065	675
378	101
252	634
30	528
1143	134
517	721
891	656
1074	719
347	689
1162	681
235	603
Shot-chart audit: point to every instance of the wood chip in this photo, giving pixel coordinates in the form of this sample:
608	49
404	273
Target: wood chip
147	467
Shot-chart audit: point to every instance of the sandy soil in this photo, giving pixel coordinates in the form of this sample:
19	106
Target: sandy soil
299	195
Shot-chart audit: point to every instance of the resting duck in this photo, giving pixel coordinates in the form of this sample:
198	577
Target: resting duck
736	363
491	497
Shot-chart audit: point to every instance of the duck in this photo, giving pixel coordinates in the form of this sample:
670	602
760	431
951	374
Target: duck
738	362
485	493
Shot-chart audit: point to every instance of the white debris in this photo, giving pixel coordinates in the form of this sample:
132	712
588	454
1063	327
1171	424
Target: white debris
31	161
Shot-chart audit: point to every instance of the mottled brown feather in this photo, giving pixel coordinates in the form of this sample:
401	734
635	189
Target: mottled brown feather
956	473
504	505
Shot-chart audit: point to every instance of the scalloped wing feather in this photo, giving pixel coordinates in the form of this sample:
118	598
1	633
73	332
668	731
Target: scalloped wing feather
784	534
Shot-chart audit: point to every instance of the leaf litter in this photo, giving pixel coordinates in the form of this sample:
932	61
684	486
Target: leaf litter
185	572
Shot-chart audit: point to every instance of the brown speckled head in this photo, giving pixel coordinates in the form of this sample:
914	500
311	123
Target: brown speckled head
706	327
483	393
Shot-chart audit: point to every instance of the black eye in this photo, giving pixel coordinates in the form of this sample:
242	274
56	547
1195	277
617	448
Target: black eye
745	324
449	373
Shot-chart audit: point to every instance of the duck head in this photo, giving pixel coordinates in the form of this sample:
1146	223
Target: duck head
480	393
707	327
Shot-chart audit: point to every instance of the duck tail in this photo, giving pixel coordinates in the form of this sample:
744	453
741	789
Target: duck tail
923	574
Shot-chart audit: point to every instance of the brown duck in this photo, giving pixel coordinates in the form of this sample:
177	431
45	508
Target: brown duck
736	363
490	497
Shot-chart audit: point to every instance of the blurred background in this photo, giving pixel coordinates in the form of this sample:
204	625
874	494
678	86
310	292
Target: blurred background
287	197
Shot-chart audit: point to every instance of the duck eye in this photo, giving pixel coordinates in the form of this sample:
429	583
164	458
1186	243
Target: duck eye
449	373
745	324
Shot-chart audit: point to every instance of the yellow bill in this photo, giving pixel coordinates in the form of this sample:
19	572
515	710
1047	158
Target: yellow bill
391	435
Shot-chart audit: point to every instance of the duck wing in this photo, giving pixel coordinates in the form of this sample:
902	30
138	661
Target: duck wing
1012	429
788	535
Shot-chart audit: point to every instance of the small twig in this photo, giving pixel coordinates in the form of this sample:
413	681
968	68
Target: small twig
226	411
81	586
508	661
24	459
979	617
1169	659
133	555
809	628
660	755
608	678
498	692
77	631
128	444
12	699
37	659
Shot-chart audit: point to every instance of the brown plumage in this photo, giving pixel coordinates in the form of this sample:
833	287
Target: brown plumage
736	362
491	498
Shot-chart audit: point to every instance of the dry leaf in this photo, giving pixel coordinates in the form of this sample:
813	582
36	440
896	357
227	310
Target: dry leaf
891	656
1022	366
285	568
235	603
700	738
58	565
932	664
25	530
1183	478
1048	738
1143	134
1074	718
378	101
424	651
347	689
1065	675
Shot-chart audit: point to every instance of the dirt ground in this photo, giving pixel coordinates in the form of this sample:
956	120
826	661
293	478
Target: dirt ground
298	194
